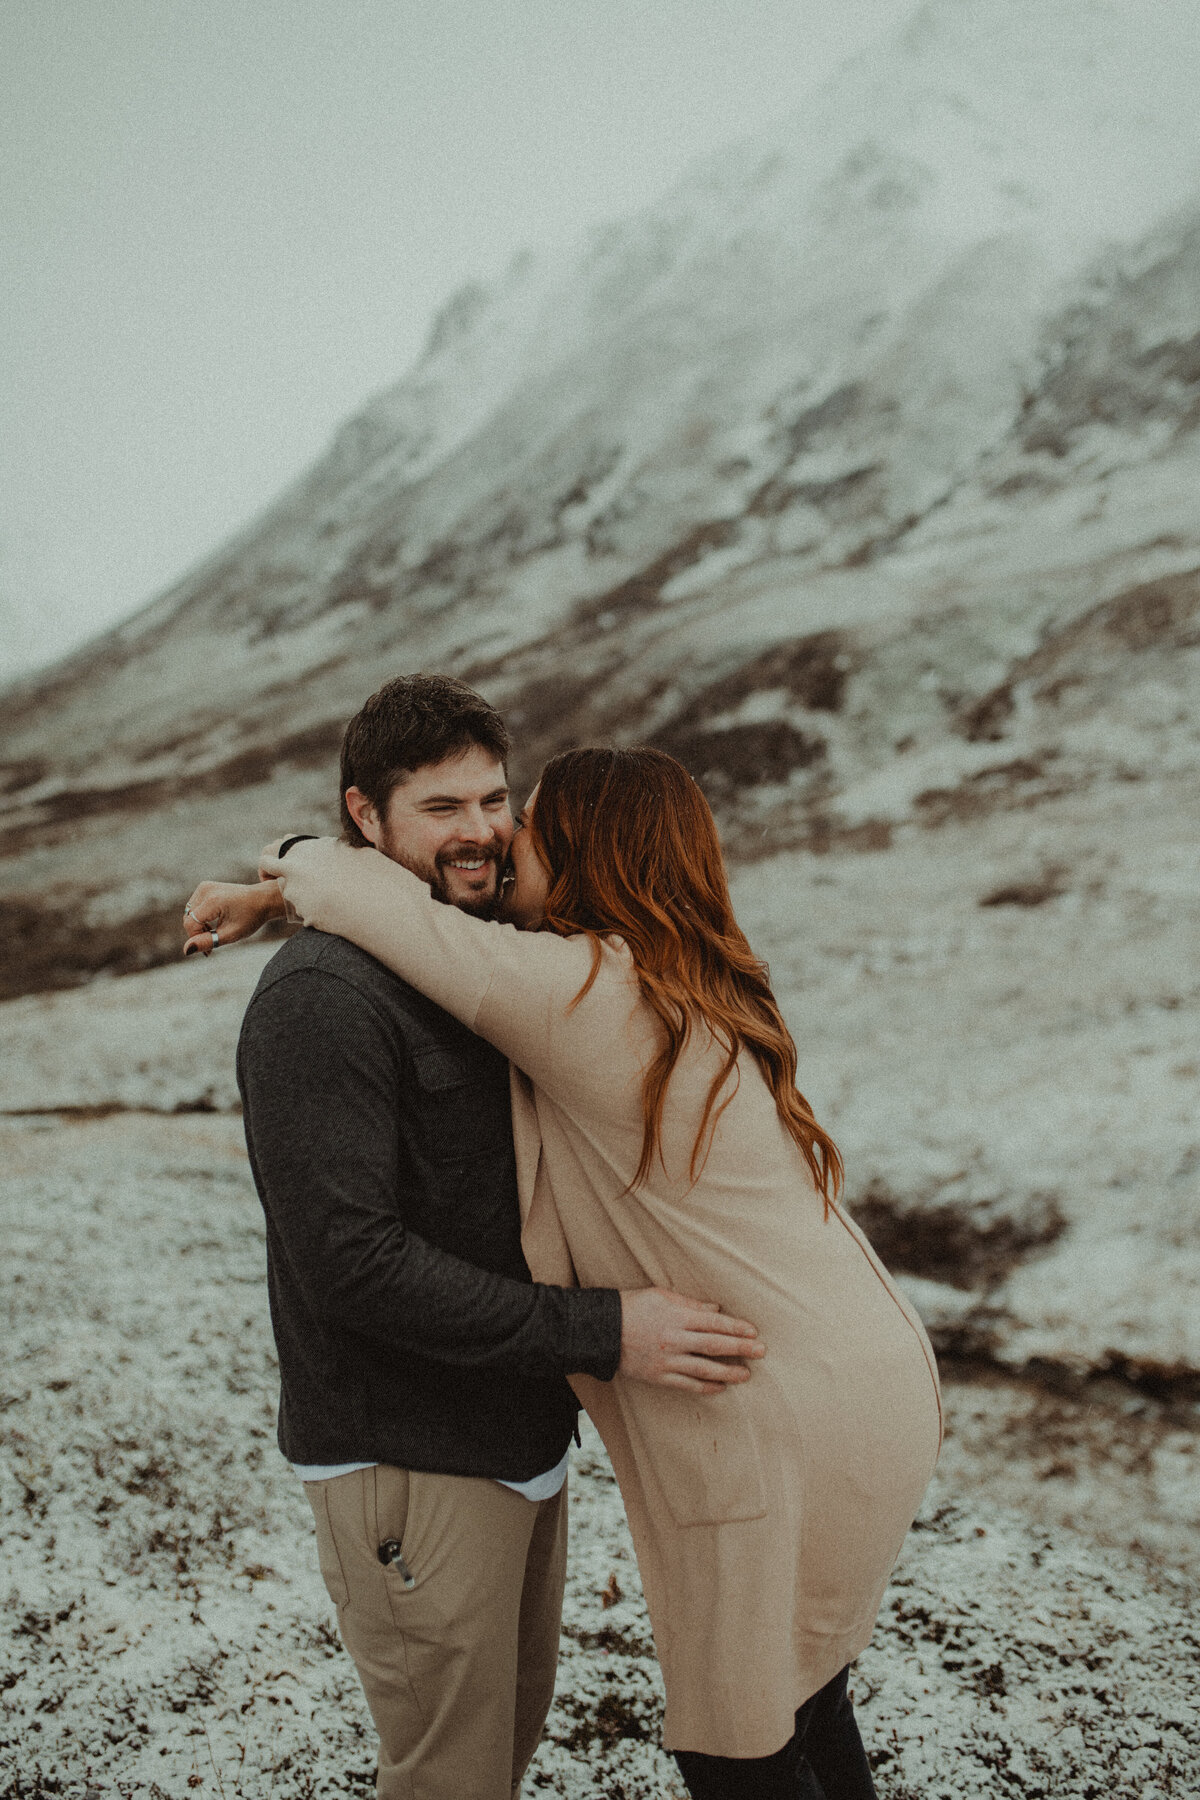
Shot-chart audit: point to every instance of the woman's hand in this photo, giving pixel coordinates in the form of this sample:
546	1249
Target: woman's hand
270	853
302	876
222	912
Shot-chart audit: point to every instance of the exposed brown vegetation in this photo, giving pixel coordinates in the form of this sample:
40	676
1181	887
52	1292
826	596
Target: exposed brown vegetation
642	592
955	1243
741	756
1034	892
1162	615
1022	782
253	766
44	946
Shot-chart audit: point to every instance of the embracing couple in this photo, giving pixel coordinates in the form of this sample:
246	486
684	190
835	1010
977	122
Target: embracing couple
522	1112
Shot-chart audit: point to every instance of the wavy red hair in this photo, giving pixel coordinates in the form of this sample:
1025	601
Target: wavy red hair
630	846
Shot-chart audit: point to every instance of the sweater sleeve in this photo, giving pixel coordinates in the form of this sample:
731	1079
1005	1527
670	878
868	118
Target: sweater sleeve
529	979
320	1127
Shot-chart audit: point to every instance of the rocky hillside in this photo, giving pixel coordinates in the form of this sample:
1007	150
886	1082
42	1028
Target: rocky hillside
860	472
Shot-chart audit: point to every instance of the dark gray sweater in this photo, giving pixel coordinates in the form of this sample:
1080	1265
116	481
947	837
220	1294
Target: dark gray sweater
408	1327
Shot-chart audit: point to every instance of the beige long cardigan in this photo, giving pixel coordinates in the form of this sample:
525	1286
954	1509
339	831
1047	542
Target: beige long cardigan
766	1519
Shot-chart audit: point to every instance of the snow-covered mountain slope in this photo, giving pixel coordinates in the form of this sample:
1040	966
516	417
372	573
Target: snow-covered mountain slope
800	466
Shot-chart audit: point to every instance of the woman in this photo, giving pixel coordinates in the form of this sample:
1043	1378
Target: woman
661	1140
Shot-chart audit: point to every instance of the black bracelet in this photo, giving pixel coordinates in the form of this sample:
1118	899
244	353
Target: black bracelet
301	837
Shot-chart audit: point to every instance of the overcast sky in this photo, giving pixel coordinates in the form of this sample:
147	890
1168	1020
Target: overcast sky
227	222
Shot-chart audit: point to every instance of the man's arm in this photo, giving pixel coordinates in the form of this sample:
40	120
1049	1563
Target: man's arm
320	1082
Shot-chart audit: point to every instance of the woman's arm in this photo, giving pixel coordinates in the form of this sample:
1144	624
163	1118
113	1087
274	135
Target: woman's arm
528	980
447	954
222	912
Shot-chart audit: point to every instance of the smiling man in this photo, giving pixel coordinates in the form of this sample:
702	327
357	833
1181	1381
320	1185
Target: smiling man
424	1400
448	820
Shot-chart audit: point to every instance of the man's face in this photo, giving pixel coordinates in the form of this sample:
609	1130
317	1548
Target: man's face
450	823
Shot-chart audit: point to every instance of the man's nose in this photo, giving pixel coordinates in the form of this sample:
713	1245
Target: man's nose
475	826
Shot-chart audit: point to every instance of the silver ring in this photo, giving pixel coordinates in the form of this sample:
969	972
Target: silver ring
189	914
216	941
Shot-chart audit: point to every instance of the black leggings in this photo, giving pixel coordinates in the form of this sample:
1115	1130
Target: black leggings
824	1760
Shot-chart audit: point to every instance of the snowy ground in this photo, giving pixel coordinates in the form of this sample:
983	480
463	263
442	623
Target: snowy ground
1017	1085
167	1632
993	1072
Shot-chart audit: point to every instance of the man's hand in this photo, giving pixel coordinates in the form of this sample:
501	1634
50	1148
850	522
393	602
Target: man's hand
227	911
675	1342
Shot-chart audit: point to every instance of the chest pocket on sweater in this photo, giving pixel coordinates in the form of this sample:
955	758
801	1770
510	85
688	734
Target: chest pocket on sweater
464	1104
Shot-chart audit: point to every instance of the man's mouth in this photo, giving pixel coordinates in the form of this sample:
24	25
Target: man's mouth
469	865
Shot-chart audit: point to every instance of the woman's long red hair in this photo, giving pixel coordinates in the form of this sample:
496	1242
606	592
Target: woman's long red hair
630	846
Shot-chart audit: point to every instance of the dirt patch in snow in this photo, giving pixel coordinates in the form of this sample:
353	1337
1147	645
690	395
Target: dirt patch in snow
960	1245
48	945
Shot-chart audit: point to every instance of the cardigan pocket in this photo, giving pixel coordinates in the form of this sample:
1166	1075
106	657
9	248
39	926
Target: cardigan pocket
699	1452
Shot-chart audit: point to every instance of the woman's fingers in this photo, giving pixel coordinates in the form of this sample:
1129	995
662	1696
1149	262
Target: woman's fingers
202	917
202	936
201	901
224	912
269	857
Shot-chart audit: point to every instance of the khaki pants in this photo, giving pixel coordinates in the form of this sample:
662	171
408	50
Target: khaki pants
459	1670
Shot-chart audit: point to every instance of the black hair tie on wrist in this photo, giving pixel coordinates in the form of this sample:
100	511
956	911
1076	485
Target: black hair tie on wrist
301	837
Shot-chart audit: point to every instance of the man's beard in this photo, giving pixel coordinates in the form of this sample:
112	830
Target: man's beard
480	906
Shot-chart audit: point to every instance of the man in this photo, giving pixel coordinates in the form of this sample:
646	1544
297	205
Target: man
424	1396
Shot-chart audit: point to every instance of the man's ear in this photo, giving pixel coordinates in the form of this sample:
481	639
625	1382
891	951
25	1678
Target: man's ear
365	814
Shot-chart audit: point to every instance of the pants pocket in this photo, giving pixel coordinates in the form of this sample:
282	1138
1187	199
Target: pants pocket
332	1572
387	1512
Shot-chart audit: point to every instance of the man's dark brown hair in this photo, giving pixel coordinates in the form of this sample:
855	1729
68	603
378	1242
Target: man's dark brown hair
411	722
